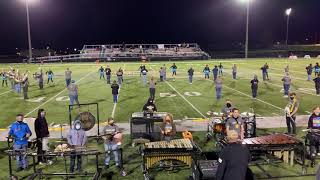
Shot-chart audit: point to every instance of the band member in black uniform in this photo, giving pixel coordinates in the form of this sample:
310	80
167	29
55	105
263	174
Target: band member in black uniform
233	160
314	137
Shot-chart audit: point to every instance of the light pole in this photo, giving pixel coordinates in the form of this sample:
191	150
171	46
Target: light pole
247	27
29	32
288	12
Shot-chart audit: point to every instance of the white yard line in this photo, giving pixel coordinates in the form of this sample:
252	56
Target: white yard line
277	107
115	104
308	112
276	114
186	100
57	94
6	92
182	96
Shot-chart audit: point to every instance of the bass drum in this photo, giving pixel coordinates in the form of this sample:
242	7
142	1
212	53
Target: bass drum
87	120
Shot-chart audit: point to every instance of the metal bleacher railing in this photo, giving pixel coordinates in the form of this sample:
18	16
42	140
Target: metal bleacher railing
130	51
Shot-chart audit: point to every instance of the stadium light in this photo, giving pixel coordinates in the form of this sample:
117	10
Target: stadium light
288	12
247	26
27	2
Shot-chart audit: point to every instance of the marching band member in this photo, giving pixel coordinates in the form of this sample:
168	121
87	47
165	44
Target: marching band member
233	160
76	139
50	76
113	140
314	123
206	72
42	133
20	132
235	123
120	76
291	112
4	77
149	107
168	128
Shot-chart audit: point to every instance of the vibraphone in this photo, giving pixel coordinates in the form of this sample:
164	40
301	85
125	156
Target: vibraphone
64	155
180	149
282	146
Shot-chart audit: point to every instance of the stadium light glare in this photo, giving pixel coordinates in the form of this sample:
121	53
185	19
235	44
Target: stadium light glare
288	11
247	26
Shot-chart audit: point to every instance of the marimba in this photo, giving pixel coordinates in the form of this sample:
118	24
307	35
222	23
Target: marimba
282	146
180	149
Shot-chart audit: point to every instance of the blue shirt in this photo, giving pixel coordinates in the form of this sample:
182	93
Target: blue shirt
18	131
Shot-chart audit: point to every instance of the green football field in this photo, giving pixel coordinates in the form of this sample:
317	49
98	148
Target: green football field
177	96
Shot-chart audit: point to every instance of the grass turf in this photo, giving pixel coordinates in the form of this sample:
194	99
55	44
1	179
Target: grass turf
133	95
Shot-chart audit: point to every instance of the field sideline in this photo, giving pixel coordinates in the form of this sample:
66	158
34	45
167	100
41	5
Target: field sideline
192	101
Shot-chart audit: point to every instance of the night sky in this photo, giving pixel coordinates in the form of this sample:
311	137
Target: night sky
73	23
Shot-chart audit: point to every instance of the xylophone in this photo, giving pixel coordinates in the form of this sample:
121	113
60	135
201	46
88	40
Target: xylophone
179	149
282	146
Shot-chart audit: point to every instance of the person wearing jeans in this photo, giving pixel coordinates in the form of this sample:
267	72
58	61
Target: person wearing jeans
108	74
190	74
76	139
115	90
67	75
20	132
218	84
234	71
291	112
73	92
286	84
112	143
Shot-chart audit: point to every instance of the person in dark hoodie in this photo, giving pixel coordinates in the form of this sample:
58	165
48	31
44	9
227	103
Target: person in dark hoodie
76	139
149	107
233	160
20	132
115	90
254	86
42	133
314	123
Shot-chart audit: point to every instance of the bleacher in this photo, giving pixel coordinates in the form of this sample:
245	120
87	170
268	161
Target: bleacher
116	52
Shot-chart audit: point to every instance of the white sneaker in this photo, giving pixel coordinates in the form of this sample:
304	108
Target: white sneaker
285	96
41	163
190	83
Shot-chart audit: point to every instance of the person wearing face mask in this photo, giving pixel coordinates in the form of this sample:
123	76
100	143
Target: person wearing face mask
112	141
235	123
314	123
77	139
20	132
168	128
227	108
291	113
149	107
42	133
